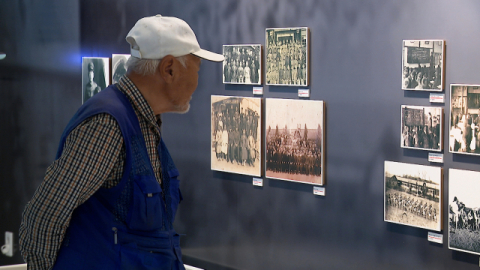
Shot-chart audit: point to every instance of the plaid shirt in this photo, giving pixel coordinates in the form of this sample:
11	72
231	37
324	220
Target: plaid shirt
92	158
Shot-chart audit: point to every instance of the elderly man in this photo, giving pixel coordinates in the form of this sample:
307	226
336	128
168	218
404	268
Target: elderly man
109	199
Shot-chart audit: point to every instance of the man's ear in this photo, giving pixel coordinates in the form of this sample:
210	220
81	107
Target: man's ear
166	68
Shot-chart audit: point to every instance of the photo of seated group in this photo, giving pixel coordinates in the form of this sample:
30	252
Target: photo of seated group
423	65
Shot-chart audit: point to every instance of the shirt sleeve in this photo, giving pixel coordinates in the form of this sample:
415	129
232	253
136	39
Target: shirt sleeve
90	153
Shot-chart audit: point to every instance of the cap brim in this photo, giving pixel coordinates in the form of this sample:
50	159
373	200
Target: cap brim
207	55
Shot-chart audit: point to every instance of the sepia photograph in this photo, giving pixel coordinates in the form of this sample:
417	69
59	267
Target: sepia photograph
464	135
464	211
423	65
422	128
294	139
236	135
287	56
413	195
242	64
95	76
119	66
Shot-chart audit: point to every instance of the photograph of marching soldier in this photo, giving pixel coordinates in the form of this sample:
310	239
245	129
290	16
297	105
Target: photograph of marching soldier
294	139
119	66
287	56
242	64
423	65
413	195
464	211
95	76
236	135
464	137
422	128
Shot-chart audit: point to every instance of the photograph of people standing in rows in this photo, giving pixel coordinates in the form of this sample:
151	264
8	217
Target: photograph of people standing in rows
287	56
242	64
236	140
294	140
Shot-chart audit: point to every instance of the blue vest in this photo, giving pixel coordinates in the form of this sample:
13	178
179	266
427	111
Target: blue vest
128	226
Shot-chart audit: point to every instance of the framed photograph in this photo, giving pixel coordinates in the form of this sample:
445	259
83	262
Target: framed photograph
294	137
423	65
464	211
464	137
119	66
236	135
95	76
242	64
422	128
287	56
413	195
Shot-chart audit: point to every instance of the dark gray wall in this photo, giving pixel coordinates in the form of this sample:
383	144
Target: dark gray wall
229	224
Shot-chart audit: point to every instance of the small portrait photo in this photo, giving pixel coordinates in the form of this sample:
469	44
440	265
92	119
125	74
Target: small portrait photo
464	211
423	65
242	64
422	128
413	195
287	56
464	137
294	140
236	135
95	76
119	66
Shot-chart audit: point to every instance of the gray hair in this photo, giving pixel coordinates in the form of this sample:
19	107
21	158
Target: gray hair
148	66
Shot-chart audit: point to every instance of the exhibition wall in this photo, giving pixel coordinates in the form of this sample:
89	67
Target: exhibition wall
355	68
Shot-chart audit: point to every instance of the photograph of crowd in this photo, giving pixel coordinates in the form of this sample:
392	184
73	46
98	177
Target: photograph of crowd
95	76
423	65
236	140
295	140
413	195
464	211
119	66
287	56
422	128
465	119
242	64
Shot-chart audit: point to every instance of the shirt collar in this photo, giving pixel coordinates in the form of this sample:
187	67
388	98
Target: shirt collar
138	100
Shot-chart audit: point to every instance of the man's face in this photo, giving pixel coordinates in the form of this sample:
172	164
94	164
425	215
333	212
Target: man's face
187	84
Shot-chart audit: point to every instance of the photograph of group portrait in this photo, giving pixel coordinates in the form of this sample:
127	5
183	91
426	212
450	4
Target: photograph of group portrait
287	56
236	135
422	128
423	65
242	64
413	195
295	140
95	76
464	119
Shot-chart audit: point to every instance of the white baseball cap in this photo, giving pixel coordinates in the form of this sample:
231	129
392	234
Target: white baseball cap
157	36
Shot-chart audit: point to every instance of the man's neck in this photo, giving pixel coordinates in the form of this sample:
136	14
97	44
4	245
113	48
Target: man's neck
151	89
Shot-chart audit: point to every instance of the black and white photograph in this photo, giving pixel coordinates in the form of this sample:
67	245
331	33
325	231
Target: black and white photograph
464	135
236	135
119	66
287	56
294	139
95	76
464	211
422	128
242	64
423	65
413	195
